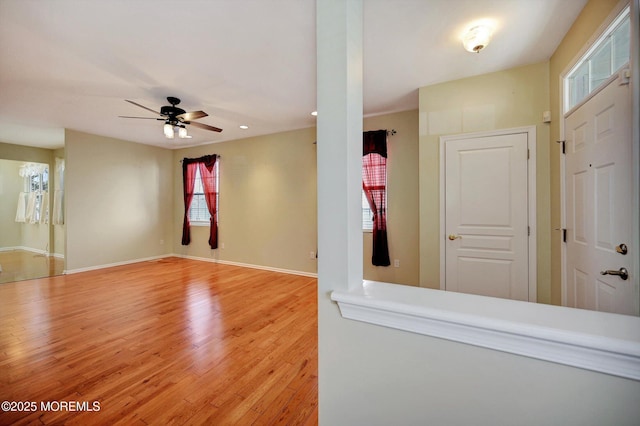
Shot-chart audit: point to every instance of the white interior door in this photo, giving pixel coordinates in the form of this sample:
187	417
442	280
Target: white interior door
486	199
598	191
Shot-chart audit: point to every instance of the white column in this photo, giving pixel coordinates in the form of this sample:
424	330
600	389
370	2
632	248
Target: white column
339	86
339	102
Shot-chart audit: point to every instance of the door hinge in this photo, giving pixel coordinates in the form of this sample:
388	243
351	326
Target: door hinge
528	154
528	230
564	235
563	143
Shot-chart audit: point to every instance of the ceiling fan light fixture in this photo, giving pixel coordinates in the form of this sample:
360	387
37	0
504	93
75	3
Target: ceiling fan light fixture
175	119
477	38
168	131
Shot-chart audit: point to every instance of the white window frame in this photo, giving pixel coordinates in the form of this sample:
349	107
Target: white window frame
586	58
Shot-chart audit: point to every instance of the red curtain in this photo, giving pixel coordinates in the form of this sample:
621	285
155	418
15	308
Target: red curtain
188	183
374	184
209	175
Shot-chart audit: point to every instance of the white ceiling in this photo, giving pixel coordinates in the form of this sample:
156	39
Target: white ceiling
71	63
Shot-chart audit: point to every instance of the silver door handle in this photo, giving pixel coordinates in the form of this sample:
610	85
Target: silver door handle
622	273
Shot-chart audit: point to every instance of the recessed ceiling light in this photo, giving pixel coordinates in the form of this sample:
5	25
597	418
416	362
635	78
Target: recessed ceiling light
314	113
244	127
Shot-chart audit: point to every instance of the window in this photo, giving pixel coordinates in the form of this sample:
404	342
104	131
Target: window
198	211
33	202
39	184
200	191
367	215
610	53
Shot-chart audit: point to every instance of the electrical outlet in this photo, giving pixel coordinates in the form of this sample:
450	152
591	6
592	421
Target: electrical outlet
161	242
396	263
222	246
312	255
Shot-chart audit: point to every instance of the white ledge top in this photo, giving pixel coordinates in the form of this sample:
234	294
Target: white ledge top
598	341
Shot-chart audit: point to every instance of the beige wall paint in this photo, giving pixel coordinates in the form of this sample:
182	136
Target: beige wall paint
59	231
505	99
118	202
25	153
267	202
587	23
11	185
402	200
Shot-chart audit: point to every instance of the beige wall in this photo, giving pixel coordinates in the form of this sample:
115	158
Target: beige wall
11	185
59	231
268	207
402	200
587	23
118	203
267	202
505	99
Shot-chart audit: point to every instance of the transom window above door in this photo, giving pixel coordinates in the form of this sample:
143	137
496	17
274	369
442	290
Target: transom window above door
608	54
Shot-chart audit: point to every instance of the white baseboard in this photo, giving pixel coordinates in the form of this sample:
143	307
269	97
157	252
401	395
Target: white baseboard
29	249
248	265
110	265
202	259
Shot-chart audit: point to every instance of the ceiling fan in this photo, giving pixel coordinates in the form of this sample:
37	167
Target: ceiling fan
175	118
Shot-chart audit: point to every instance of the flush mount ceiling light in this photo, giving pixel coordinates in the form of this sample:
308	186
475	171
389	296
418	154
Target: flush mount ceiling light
477	38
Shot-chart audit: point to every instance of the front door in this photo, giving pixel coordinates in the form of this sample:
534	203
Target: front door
486	200
598	191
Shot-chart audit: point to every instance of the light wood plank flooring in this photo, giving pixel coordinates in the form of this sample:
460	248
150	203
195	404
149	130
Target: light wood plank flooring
20	265
173	341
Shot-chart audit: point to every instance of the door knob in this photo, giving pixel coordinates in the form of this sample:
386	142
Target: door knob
454	237
622	249
622	273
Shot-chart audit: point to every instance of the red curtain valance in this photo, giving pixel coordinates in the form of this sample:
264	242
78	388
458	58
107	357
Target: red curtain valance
374	142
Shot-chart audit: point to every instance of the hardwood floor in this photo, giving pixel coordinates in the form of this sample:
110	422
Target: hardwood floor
18	265
173	341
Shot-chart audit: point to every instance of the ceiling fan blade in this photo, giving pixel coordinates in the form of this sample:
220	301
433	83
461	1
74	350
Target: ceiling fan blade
144	118
205	126
142	106
194	115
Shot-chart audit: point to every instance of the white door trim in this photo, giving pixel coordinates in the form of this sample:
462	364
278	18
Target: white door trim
531	184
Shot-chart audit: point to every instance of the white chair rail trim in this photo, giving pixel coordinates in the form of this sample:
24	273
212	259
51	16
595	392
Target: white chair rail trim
375	304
